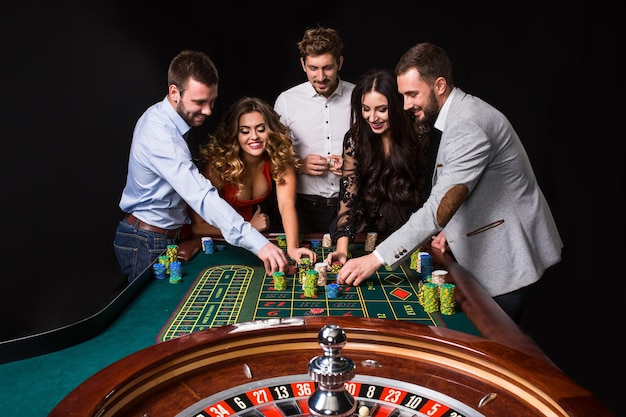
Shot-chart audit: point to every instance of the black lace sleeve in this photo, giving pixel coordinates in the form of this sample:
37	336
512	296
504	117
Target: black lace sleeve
349	212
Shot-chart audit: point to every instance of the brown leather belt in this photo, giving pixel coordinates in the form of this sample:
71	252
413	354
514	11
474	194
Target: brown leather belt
319	201
169	233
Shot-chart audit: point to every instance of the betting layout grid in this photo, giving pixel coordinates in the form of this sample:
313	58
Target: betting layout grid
387	294
217	298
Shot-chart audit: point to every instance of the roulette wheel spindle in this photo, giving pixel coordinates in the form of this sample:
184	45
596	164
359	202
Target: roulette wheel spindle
331	371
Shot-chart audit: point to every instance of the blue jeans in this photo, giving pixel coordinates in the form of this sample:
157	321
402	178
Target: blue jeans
136	248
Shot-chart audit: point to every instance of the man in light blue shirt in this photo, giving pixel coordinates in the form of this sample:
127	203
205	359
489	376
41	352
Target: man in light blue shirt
318	113
163	179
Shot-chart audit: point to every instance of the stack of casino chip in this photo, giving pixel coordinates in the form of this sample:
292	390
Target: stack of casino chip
446	299
172	252
176	272
430	297
331	273
370	241
327	241
165	260
335	267
438	276
426	265
280	284
415	261
208	246
332	290
420	292
302	275
159	270
281	241
303	267
322	272
310	283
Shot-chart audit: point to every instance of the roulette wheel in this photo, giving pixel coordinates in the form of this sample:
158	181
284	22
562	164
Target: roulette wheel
329	366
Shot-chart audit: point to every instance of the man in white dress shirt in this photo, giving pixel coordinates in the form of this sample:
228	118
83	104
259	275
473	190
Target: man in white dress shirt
318	113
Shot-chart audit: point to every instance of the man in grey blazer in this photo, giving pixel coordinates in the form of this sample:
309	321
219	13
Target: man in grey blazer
485	204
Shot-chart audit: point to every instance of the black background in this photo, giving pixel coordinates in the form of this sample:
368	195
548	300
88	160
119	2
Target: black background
75	80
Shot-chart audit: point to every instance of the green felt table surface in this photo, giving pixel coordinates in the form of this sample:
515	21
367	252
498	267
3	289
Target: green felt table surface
231	286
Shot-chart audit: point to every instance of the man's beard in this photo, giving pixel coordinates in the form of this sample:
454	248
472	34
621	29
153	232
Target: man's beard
431	110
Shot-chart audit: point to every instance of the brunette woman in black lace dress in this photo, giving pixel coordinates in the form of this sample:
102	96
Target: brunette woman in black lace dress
385	169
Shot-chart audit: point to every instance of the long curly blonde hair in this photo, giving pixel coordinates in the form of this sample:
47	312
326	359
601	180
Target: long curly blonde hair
222	155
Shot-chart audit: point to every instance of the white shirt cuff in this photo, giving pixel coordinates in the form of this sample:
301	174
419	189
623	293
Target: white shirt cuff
380	258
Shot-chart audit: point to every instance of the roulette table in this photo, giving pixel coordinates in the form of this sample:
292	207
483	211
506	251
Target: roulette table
226	290
262	367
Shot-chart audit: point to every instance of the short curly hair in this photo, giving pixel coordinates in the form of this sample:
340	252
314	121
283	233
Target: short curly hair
320	41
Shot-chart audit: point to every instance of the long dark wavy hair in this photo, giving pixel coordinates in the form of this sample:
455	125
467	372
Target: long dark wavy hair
398	179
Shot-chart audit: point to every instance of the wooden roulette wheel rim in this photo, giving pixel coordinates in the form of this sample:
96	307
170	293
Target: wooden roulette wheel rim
164	379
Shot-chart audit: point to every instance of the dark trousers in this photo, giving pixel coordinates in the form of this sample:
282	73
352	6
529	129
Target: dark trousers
513	303
315	217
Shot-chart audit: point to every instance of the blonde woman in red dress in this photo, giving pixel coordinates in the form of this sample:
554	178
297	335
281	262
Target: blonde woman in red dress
250	153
